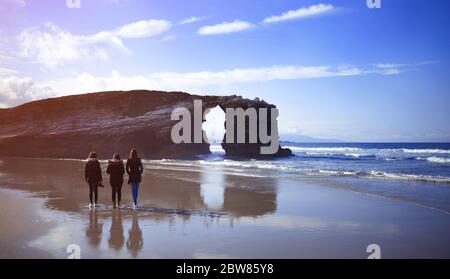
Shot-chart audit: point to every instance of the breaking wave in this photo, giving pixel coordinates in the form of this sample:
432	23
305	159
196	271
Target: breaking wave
438	160
426	151
385	175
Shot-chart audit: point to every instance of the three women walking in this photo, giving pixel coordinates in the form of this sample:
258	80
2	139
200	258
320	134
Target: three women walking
116	170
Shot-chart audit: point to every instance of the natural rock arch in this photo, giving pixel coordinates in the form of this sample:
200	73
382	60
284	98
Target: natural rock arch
110	122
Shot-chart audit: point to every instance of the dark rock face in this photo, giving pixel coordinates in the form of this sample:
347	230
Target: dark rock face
252	150
110	122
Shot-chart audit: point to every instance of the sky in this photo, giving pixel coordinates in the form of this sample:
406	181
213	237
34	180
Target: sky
335	69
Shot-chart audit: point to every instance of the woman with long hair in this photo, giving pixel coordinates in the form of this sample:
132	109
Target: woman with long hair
116	170
134	170
93	176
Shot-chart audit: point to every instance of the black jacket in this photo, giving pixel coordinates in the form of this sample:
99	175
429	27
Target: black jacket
92	171
116	170
134	170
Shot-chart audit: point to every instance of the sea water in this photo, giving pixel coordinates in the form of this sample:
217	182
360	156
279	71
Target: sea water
413	172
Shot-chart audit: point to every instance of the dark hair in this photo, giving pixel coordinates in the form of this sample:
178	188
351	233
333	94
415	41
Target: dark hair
92	155
133	154
116	156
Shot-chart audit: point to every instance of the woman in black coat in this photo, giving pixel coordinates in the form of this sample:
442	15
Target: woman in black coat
134	170
93	176
116	170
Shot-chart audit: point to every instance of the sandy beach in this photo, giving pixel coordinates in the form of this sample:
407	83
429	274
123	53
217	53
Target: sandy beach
205	213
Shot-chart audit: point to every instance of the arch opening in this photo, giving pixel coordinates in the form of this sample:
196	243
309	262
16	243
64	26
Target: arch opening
214	128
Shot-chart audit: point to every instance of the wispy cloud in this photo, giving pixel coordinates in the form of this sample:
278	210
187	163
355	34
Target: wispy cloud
300	13
142	29
225	28
52	46
197	81
16	90
169	38
192	20
4	58
7	71
245	75
397	68
389	66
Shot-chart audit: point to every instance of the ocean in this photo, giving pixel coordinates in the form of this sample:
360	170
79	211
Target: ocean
412	172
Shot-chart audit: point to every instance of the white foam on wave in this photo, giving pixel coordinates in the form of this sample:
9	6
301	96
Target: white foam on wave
287	169
425	151
336	172
349	152
355	150
352	155
411	177
386	175
239	166
332	150
253	164
438	160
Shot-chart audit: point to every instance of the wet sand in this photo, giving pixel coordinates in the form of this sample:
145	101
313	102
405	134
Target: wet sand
205	214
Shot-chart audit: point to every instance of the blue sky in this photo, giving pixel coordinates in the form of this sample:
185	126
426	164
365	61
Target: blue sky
336	69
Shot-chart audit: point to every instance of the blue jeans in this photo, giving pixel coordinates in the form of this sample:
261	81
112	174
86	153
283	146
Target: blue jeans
134	191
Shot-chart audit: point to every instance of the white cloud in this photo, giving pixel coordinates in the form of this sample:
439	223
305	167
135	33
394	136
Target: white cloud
225	28
196	82
15	91
397	68
54	46
4	58
389	66
143	28
251	75
169	38
392	71
7	71
191	20
398	65
301	13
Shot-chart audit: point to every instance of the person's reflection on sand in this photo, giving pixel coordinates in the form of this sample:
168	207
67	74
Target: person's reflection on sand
116	237
94	229
135	241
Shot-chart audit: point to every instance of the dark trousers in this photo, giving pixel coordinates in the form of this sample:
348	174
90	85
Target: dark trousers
116	191
93	190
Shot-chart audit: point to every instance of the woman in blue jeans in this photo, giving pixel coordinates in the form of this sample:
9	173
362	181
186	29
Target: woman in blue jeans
134	170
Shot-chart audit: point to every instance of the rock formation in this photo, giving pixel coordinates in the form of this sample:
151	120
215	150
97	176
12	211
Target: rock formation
109	122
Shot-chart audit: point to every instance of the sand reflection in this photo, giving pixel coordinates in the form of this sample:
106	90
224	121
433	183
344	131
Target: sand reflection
116	237
135	242
94	229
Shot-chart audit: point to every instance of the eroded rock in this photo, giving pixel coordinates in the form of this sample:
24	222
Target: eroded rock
109	122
